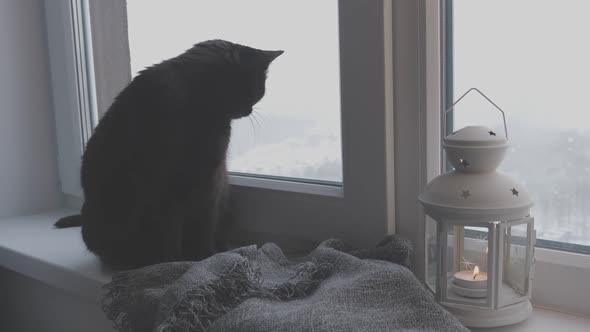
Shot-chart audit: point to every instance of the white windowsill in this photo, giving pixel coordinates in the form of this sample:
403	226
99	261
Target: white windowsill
31	246
544	320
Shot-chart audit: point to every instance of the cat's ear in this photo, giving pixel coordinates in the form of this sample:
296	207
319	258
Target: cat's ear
269	56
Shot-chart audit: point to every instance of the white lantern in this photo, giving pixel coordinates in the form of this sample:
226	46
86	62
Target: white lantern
480	232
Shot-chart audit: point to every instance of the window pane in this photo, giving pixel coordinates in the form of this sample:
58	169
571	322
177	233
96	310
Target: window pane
515	273
467	266
295	131
432	253
531	58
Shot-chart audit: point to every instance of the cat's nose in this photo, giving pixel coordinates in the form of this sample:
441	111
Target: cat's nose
247	111
242	112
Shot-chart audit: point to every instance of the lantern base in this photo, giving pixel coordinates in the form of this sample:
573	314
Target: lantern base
481	317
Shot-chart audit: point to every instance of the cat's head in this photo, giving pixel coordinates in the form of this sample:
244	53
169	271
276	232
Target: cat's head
239	75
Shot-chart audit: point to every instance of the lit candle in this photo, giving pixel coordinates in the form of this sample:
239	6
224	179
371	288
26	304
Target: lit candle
470	283
471	279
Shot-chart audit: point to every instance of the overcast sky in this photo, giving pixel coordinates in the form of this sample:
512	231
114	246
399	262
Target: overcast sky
532	57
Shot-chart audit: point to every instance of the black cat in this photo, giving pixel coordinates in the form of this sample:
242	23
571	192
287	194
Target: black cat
154	171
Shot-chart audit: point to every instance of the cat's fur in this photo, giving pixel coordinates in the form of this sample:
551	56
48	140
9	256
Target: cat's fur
154	171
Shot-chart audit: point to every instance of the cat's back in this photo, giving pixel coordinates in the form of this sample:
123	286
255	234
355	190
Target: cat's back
126	130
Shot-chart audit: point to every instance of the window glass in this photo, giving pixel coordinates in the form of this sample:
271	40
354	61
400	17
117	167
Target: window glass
467	266
432	253
295	130
516	262
531	58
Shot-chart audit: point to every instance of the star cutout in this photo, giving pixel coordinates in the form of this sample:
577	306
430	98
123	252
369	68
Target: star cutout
464	163
491	133
514	192
465	194
466	263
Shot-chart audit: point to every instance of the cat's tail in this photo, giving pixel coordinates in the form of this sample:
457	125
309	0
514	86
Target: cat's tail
69	221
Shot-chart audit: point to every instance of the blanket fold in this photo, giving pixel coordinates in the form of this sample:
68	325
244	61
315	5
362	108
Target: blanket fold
334	288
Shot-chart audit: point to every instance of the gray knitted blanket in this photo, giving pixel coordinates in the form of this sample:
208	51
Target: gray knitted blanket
259	289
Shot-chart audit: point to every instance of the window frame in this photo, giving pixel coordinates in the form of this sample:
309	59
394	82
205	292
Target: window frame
65	85
378	195
360	210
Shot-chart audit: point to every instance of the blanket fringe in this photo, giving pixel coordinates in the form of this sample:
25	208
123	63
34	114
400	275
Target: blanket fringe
203	304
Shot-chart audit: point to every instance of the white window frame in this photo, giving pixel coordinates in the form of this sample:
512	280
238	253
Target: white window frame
65	70
398	88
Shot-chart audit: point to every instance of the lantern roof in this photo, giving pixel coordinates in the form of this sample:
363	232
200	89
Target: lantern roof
476	197
475	191
476	137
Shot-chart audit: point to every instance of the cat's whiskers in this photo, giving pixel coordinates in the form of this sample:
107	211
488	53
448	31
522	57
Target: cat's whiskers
253	128
255	116
256	113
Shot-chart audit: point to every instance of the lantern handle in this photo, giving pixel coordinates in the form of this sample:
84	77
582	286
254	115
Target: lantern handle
483	95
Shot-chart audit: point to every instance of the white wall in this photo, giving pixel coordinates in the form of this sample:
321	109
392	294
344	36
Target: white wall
28	157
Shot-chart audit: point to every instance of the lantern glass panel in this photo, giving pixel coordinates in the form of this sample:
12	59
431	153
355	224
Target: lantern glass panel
516	262
432	254
466	262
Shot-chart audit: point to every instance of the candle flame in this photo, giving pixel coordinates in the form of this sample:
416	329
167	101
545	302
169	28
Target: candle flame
475	271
